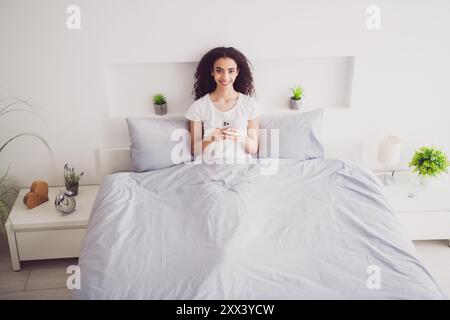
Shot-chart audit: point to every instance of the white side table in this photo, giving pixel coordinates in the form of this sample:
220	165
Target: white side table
424	211
45	233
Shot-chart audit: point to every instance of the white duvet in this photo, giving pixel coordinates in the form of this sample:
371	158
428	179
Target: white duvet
318	229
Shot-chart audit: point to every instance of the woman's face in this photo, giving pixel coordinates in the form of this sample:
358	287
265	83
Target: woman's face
225	72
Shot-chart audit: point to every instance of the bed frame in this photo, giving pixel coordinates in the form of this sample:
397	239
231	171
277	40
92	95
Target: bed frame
117	159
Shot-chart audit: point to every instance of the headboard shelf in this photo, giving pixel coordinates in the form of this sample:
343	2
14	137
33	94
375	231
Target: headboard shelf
327	82
265	112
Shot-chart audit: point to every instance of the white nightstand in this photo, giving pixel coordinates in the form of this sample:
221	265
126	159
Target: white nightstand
425	216
43	232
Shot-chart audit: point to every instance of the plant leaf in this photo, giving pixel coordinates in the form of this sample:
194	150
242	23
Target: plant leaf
26	134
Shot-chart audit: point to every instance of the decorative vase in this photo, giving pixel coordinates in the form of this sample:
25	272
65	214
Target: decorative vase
160	109
295	104
65	202
72	188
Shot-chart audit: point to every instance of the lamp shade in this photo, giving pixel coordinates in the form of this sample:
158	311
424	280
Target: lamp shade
389	150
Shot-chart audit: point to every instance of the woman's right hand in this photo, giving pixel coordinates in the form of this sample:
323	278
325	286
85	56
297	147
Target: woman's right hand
216	135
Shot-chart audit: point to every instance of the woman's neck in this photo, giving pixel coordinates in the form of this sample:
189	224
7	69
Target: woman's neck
224	93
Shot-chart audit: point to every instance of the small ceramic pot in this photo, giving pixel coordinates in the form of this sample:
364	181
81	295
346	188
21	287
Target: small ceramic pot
295	104
72	188
427	180
160	109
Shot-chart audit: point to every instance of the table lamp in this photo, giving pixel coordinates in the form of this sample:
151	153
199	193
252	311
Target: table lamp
389	154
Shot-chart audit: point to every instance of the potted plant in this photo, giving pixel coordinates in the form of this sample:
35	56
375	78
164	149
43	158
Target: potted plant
429	162
160	103
296	100
71	179
8	192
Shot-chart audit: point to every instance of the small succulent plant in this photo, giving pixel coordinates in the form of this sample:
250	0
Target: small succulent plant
159	99
297	92
71	178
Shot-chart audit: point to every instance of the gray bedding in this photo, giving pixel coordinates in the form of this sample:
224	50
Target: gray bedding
318	229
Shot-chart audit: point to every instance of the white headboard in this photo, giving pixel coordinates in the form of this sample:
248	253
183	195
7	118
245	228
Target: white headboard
117	159
114	160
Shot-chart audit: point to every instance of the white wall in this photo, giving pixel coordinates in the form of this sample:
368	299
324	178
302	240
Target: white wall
401	77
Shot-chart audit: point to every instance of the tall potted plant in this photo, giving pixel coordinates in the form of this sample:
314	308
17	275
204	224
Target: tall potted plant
428	163
8	105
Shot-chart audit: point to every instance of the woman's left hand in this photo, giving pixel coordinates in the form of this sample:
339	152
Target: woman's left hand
234	134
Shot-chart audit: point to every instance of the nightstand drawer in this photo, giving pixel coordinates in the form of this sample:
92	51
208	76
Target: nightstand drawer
425	225
49	244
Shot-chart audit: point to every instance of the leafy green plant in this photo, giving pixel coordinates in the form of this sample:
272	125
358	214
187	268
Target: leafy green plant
159	99
297	92
8	105
429	161
5	192
71	178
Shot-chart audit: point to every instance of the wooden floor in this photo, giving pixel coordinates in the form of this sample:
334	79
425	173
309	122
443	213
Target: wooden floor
46	279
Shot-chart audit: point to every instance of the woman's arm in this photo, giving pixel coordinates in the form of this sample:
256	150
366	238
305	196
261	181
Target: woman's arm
195	128
249	139
198	144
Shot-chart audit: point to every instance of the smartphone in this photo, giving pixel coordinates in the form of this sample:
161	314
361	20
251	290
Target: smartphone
228	123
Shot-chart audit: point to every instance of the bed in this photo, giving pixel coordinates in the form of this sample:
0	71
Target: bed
318	229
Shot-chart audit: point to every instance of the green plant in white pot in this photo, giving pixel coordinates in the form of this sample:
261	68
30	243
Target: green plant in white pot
429	162
296	100
160	103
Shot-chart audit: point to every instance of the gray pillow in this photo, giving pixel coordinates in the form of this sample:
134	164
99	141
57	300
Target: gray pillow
158	143
299	136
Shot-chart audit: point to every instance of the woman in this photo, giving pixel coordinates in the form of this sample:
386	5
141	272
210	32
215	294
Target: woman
224	117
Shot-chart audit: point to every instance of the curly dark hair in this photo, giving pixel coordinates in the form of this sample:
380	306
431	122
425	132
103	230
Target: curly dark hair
204	82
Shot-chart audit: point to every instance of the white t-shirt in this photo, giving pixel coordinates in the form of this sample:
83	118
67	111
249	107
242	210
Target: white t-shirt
246	108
